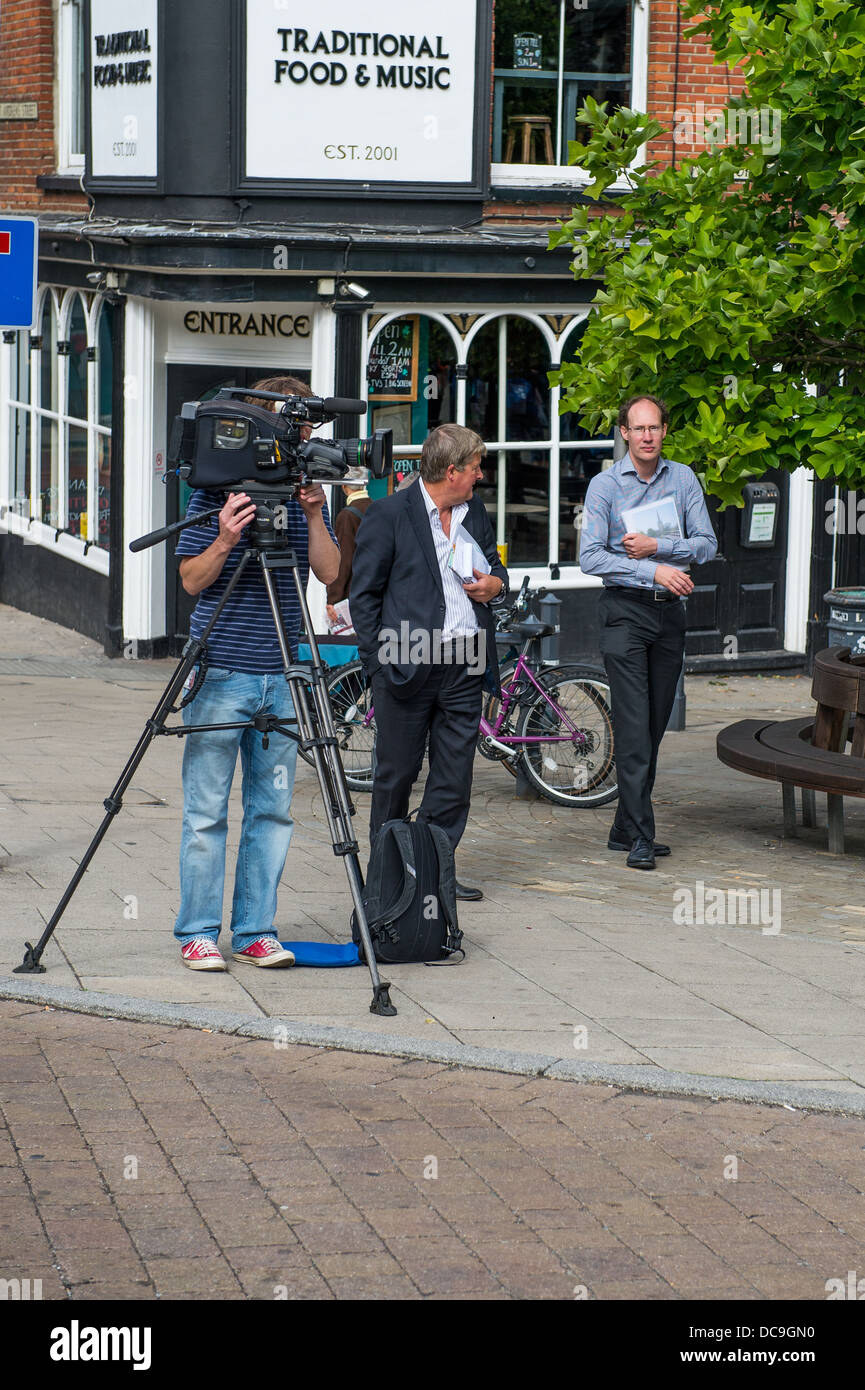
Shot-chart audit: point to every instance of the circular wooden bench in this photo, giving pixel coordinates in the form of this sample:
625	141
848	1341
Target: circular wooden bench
810	753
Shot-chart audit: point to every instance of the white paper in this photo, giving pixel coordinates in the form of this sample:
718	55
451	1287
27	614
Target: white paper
466	555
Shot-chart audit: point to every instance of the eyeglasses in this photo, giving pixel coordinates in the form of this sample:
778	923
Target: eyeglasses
643	429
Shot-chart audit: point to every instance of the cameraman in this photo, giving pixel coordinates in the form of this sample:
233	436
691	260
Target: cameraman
243	678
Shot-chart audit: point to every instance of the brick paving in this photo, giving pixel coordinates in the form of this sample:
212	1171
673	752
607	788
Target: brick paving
142	1162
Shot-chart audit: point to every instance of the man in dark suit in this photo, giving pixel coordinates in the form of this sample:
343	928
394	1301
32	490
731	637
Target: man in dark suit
425	632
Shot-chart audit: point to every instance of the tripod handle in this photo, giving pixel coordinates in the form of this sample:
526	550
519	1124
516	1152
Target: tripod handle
154	537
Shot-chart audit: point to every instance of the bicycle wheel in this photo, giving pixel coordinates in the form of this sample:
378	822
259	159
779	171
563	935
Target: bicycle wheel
572	760
595	676
351	702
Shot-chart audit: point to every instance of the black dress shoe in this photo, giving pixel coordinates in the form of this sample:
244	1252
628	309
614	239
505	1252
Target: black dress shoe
467	894
618	840
642	856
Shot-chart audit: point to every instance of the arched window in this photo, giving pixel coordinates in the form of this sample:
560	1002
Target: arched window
75	425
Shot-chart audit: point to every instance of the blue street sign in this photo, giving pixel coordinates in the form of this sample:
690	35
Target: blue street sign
19	255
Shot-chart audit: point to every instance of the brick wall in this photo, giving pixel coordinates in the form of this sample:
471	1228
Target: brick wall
699	80
27	148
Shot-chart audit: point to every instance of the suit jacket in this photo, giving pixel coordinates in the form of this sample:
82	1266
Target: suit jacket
396	579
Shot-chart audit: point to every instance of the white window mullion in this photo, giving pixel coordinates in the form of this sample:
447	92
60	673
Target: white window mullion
555	431
502	482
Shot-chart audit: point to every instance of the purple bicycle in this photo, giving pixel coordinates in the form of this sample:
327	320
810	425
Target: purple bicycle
553	723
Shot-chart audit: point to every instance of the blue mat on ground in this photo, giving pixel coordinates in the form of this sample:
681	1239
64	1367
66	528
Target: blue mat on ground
322	953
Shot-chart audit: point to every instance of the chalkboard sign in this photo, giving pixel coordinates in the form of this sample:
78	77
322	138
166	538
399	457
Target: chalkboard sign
527	50
393	362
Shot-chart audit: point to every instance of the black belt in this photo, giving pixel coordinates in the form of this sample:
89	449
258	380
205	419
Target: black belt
644	595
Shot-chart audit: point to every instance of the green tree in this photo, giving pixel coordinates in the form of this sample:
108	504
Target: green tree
736	279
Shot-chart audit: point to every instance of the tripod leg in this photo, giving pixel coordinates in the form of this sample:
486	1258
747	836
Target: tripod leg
316	727
114	803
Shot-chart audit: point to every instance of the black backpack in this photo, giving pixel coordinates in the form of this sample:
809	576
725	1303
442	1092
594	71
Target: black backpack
410	896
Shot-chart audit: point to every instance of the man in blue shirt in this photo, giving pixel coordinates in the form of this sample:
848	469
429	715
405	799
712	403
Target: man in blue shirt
643	559
244	677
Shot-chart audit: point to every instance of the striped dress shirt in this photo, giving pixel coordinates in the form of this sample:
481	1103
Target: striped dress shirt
459	614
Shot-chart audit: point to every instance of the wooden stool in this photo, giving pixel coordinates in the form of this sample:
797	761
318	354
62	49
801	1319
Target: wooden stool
531	126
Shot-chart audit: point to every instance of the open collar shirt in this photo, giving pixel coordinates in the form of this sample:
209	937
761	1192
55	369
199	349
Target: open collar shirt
460	616
619	488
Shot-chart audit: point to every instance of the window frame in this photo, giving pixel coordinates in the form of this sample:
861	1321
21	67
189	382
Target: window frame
542	176
69	162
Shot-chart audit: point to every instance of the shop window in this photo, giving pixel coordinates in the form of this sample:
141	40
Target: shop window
48	355
548	58
20	384
60	411
411	381
76	453
19	422
509	404
49	489
581	457
104	379
76	381
105	373
49	485
19	426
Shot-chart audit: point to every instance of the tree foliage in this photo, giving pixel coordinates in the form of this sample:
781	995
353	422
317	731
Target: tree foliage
736	279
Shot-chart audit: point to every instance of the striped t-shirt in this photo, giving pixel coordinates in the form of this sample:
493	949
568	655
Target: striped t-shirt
244	638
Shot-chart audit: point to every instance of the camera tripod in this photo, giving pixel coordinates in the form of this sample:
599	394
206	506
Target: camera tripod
315	732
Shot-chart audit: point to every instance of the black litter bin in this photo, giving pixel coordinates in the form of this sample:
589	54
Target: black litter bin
847	619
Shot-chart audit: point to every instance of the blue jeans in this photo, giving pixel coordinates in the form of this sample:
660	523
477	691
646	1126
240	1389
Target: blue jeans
209	762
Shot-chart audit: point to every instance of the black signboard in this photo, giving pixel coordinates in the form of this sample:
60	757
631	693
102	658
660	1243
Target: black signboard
393	361
527	50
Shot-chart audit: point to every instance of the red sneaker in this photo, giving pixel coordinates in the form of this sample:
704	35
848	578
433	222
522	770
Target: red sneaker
202	954
265	951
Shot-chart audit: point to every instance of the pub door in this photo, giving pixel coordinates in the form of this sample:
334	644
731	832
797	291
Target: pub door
737	607
193	383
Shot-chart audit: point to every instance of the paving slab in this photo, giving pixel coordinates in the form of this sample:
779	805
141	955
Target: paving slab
567	938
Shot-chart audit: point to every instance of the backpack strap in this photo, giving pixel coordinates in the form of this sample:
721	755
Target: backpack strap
378	913
452	945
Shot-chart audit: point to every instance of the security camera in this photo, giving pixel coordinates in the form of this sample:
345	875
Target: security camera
351	287
95	276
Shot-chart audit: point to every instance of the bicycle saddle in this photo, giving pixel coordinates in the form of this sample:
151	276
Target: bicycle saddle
531	627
